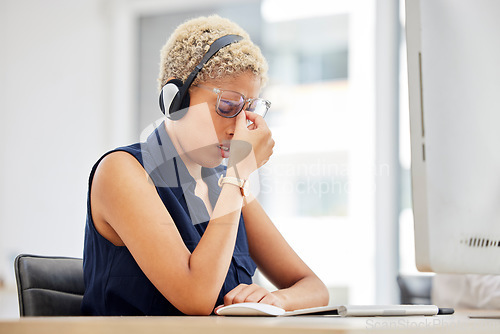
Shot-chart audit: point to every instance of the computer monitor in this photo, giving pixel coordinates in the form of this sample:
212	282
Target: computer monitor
454	92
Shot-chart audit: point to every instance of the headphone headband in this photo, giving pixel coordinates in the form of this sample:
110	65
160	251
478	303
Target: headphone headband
214	48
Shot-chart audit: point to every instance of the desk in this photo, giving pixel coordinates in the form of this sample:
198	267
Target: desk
457	323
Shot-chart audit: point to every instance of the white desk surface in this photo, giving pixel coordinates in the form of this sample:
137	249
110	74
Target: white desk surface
457	323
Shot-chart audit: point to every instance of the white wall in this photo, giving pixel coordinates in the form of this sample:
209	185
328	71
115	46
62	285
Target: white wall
54	122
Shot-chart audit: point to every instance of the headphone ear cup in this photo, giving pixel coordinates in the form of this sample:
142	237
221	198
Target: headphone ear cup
169	97
185	102
180	104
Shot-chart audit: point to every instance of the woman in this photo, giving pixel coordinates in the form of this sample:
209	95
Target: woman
169	231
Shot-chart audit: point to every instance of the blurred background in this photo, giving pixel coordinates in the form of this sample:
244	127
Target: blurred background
78	78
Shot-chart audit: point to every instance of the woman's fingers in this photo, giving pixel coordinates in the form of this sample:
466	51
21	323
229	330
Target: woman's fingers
254	118
241	121
255	139
252	293
271	299
238	294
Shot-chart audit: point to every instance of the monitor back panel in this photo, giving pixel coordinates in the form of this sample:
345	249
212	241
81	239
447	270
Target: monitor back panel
454	88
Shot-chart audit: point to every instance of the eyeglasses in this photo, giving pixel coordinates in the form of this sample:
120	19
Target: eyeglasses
230	104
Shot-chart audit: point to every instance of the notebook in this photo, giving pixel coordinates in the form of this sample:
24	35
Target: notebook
257	309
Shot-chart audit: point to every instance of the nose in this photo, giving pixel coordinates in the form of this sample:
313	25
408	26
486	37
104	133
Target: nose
230	132
231	128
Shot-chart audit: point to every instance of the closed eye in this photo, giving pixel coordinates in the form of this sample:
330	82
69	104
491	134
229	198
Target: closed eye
228	106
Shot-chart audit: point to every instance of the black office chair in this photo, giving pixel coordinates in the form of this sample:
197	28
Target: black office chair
49	286
415	289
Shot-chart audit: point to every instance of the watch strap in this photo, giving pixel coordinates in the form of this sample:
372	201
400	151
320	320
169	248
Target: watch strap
242	184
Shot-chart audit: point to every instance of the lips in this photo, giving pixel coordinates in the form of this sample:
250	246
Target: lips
224	150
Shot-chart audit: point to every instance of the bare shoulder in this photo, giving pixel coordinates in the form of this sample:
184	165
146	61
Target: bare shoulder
118	181
119	175
117	165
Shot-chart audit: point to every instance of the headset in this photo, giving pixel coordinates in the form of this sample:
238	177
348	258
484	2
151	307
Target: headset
174	96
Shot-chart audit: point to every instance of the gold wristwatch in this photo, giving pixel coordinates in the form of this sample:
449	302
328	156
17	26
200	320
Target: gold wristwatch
244	185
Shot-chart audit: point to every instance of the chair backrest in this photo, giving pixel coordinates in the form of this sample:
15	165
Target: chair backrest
415	289
49	286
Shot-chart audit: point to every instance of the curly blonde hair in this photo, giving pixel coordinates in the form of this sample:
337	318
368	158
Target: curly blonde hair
191	40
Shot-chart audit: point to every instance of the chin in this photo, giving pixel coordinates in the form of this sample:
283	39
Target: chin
211	162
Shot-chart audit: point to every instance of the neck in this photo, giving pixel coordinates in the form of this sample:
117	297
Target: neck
193	168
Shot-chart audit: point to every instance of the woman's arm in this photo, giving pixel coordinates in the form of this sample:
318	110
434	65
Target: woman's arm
125	202
127	210
298	286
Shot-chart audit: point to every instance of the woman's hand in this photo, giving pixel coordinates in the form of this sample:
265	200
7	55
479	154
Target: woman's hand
251	146
252	293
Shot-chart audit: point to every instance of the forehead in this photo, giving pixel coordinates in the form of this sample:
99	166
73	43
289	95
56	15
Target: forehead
246	83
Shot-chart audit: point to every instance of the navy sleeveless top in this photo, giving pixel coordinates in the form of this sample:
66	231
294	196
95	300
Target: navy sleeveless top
114	283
